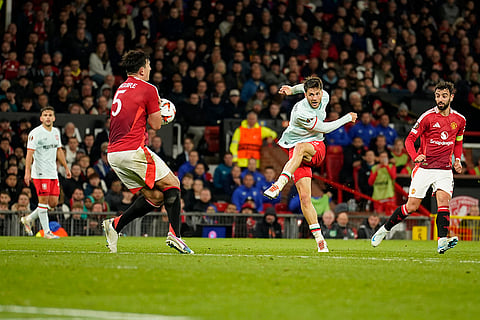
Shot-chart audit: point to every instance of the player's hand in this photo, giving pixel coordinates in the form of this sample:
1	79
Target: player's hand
458	166
354	116
68	173
286	90
420	158
27	178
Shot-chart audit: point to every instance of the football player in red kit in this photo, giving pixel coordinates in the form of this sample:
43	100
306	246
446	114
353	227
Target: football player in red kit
441	133
135	104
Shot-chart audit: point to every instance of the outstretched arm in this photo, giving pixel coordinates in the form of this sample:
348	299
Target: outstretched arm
326	127
288	90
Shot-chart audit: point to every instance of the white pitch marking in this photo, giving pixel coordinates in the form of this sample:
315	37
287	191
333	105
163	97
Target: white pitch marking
85	314
322	256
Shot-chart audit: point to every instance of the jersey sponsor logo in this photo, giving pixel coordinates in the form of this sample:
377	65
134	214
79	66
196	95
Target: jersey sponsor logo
441	143
453	125
444	135
436	125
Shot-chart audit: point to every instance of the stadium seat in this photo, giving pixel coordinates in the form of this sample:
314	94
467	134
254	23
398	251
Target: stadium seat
334	162
221	206
212	137
281	208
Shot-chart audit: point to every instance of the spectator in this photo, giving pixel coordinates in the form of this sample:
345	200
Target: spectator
204	202
253	84
399	154
114	195
248	190
234	108
70	130
328	225
189	166
364	172
384	128
269	226
101	166
183	157
258	177
247	140
75	182
12	187
338	137
363	129
368	228
72	150
382	178
22	205
222	172
345	232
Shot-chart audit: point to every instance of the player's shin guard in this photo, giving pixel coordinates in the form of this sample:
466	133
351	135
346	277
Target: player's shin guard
397	216
171	198
138	209
443	221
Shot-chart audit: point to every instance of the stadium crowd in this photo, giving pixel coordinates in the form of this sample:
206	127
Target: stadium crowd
221	60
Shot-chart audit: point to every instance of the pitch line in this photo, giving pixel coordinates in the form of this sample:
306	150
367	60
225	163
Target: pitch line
319	256
85	313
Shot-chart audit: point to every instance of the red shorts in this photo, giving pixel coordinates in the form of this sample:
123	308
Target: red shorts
47	187
305	169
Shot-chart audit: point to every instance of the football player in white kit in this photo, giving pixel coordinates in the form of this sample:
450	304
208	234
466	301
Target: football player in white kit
304	140
43	149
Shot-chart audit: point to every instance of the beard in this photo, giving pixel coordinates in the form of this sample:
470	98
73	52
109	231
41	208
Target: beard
445	106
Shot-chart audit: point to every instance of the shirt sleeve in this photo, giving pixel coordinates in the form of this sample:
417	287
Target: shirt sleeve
458	149
32	143
152	100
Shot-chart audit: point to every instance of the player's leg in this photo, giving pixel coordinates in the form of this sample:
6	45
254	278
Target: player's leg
170	185
303	151
304	187
443	222
397	216
421	181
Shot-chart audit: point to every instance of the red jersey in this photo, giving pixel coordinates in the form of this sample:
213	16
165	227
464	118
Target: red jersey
440	137
134	100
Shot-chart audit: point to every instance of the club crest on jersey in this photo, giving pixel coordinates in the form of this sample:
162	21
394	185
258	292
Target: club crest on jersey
44	186
453	125
444	135
310	120
436	125
413	191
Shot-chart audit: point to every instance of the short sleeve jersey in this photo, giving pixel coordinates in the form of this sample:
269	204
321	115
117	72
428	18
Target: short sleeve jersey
438	135
302	120
45	144
134	100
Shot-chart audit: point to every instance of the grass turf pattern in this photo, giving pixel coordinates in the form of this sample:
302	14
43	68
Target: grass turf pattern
243	278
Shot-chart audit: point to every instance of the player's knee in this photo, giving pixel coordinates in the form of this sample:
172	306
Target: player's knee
171	195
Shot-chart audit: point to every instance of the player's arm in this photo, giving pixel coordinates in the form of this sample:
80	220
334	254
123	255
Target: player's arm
28	167
457	150
288	90
63	162
416	132
234	144
327	127
153	109
155	120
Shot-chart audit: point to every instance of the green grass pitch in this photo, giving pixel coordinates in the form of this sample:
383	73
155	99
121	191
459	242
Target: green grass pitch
241	279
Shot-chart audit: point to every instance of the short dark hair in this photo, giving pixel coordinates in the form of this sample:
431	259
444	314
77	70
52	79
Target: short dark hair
133	60
442	85
313	82
47	108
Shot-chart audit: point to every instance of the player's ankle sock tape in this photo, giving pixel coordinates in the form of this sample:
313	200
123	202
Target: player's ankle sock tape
171	200
443	221
138	209
397	216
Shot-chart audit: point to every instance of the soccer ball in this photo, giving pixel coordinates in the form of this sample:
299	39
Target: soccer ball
167	110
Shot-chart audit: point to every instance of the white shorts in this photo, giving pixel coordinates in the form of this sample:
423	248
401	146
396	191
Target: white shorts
138	168
422	179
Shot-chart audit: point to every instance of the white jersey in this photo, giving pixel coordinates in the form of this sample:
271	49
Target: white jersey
45	143
302	120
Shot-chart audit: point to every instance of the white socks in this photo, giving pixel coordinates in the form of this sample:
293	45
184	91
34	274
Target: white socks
285	176
42	212
316	231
